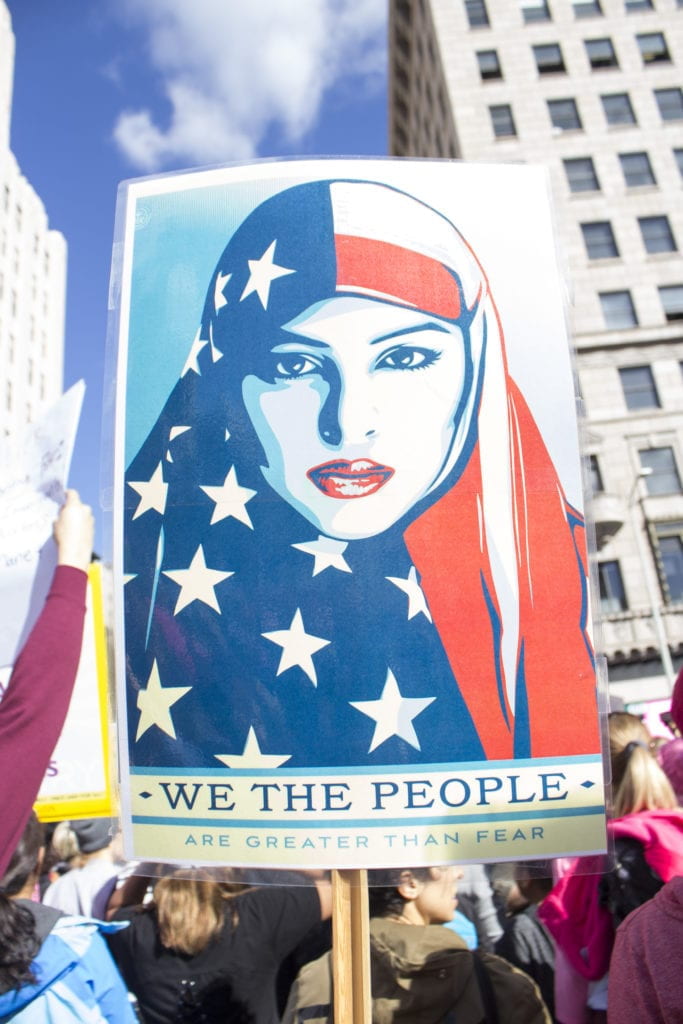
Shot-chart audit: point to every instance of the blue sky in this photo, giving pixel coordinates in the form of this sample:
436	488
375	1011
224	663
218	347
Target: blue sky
107	90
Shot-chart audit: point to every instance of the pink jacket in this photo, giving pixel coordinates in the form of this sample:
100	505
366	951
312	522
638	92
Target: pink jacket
572	913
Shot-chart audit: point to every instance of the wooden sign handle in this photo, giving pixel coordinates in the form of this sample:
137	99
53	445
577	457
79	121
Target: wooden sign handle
351	947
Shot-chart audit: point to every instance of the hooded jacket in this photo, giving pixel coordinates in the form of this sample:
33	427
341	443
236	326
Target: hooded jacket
422	975
76	979
573	913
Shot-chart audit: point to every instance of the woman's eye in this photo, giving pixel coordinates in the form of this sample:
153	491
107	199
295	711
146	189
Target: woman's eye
295	365
406	357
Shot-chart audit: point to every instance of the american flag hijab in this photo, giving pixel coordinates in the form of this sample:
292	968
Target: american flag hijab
434	640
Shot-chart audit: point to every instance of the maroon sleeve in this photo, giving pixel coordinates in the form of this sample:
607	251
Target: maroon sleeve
36	701
645	981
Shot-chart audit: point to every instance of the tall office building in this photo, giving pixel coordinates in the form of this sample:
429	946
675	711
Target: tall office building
592	89
32	277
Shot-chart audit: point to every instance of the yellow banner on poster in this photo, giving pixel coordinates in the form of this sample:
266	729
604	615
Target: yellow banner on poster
77	783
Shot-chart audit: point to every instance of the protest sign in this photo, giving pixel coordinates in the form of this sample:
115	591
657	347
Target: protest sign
34	466
350	559
77	783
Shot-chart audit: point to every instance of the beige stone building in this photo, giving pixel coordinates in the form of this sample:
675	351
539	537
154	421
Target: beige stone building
592	89
32	277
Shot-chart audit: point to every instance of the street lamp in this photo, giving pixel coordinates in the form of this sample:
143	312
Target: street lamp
635	500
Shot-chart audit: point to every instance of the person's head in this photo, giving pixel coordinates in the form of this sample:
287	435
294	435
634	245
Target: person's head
64	848
624	728
93	835
638	783
19	942
677	704
190	911
417	896
350	321
534	879
670	760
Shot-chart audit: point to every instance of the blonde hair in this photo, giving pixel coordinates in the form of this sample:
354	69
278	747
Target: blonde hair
638	783
625	728
64	844
190	912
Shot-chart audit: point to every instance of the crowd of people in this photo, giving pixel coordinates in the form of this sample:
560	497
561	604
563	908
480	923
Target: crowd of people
87	937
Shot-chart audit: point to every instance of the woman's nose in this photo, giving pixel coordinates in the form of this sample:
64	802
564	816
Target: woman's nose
348	415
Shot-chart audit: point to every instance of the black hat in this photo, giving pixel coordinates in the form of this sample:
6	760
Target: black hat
94	834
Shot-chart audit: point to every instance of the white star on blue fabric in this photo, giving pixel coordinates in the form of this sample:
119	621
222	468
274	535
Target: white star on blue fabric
152	493
230	500
298	647
393	714
262	273
327	553
172	434
219	299
251	756
417	602
191	362
216	354
197	582
155	704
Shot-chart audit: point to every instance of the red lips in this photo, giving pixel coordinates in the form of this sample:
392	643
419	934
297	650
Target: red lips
344	479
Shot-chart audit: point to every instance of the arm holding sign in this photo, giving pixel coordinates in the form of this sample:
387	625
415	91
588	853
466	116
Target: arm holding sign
34	707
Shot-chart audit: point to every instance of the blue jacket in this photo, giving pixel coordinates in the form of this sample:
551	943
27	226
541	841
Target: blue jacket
77	980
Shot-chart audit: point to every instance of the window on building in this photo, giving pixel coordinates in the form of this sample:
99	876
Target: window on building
8	395
581	176
6	199
400	137
587	9
401	76
678	157
402	42
18	217
663	478
476	12
13	304
564	115
669	538
618	310
601	54
618	109
657	234
630	6
401	107
42	386
639	389
599	240
671	297
548	57
502	121
636	169
653	48
489	65
612	593
534	10
670	103
595	474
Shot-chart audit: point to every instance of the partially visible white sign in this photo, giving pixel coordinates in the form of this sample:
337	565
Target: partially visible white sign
34	466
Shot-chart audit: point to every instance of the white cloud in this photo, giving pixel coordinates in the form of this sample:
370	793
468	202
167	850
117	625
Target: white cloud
233	69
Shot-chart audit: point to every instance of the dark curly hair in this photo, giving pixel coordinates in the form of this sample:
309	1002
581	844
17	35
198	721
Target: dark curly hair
19	943
384	898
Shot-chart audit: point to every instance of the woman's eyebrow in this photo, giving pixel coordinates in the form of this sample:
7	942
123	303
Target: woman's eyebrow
300	339
433	326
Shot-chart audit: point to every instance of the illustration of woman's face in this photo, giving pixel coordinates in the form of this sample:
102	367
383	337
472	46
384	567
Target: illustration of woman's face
357	414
